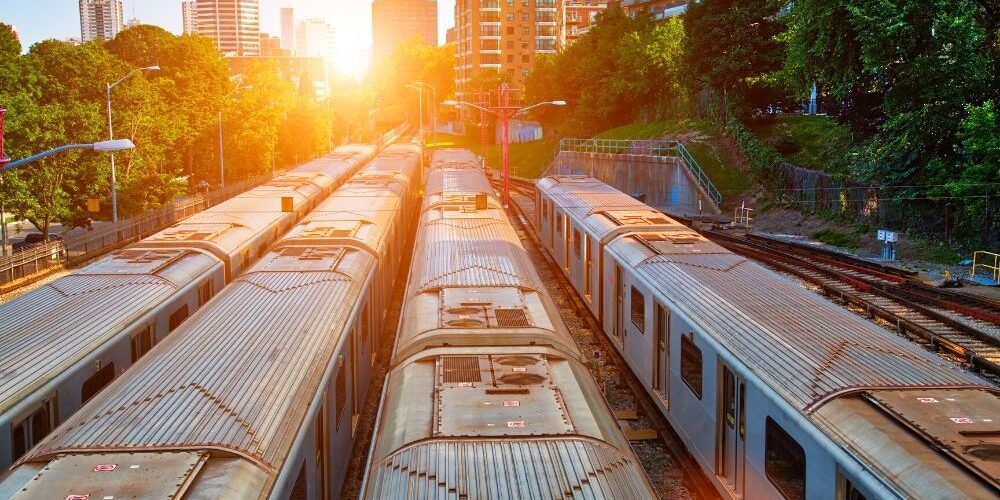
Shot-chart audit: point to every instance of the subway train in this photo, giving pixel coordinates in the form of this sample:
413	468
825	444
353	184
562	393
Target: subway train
776	392
486	396
258	394
65	341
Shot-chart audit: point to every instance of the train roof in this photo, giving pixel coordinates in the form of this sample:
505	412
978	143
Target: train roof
51	328
807	349
524	421
238	376
453	186
603	210
454	158
472	282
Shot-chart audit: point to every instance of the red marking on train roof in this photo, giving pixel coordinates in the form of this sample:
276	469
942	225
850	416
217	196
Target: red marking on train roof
105	467
511	403
515	424
962	420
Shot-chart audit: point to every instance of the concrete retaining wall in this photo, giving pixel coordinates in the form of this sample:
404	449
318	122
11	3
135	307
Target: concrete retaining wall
666	181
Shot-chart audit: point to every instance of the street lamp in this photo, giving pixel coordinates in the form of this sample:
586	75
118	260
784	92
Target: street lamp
6	164
111	137
420	95
505	112
222	161
434	109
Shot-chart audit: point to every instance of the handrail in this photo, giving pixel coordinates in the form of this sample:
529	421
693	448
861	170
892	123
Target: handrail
992	271
651	147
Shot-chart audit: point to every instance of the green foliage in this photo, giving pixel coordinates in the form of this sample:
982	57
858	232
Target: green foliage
764	160
813	142
412	61
56	95
837	238
733	47
621	70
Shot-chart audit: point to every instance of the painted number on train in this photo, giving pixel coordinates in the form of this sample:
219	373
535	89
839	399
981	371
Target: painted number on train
927	400
962	420
511	403
105	467
78	497
520	369
515	424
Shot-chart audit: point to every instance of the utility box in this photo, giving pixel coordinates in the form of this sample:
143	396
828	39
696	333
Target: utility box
481	201
287	204
93	205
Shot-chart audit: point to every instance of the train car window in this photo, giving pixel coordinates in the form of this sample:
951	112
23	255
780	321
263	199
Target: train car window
576	243
341	386
691	365
205	293
177	318
743	411
638	310
97	381
784	462
852	493
141	342
729	398
30	431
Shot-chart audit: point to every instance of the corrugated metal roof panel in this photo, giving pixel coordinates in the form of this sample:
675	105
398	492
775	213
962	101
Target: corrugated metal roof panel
234	376
55	326
807	348
481	250
499	468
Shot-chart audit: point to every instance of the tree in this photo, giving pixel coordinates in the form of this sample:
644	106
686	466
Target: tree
733	47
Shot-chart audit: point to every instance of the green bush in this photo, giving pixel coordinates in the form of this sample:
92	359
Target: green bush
765	162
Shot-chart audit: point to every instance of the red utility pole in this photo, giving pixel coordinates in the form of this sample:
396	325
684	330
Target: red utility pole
505	116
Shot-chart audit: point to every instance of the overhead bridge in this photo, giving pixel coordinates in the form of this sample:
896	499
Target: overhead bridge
661	173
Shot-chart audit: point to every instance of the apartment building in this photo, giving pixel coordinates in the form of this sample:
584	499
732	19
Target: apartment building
100	19
660	9
188	16
234	25
578	17
394	21
503	36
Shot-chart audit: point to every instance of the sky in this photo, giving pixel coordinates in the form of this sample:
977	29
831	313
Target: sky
38	20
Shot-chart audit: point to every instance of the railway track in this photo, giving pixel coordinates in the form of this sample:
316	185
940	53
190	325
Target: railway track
962	329
609	363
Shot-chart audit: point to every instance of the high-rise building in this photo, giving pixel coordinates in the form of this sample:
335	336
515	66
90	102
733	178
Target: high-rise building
190	19
315	38
578	17
503	36
660	9
394	21
233	24
288	29
100	19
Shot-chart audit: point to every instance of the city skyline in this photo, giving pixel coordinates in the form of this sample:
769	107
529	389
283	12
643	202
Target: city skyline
351	20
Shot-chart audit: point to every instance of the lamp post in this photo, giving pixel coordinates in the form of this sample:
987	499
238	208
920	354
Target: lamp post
222	160
111	137
505	112
420	95
433	109
6	164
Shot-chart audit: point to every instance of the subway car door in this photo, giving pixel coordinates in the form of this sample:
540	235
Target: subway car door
731	437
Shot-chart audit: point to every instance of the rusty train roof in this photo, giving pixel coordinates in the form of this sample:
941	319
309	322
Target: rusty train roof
808	349
242	366
44	332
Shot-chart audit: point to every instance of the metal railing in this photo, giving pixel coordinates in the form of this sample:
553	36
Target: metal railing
986	264
673	149
83	247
